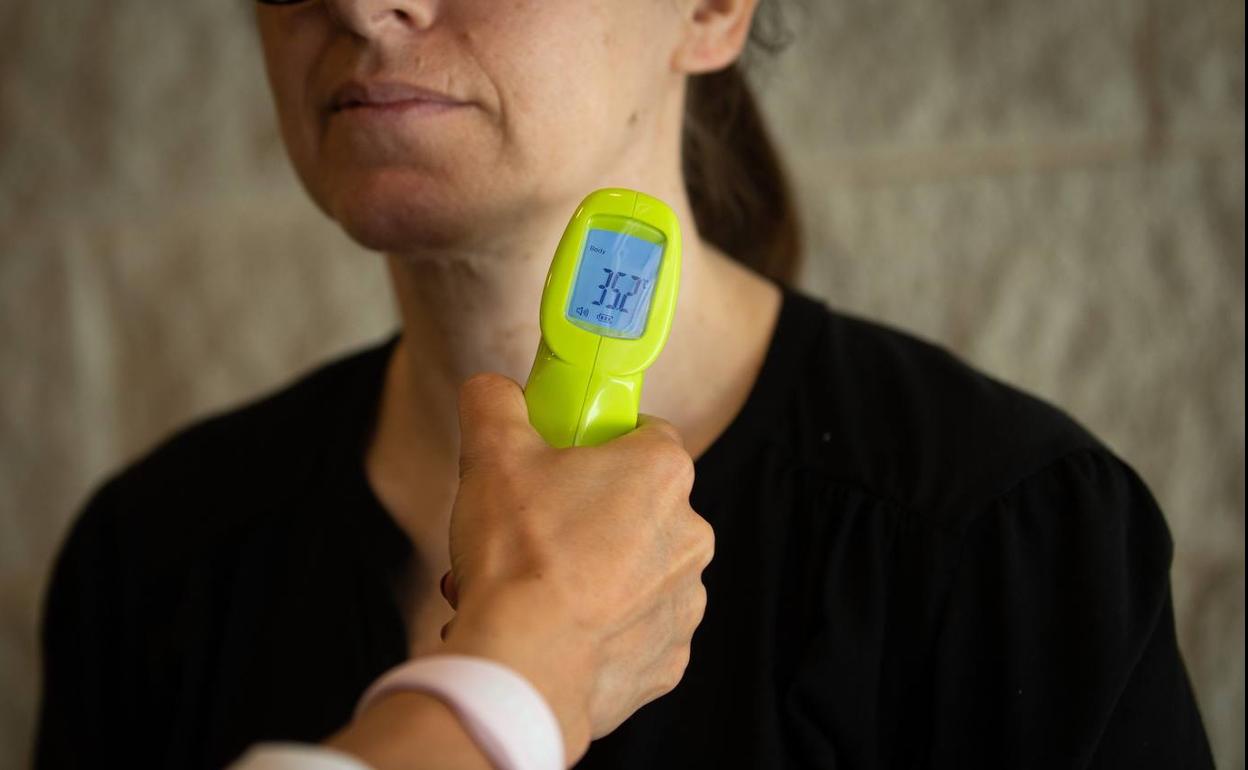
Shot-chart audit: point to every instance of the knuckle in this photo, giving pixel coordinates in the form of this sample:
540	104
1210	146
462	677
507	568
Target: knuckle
669	431
695	608
676	667
674	463
698	541
663	428
705	540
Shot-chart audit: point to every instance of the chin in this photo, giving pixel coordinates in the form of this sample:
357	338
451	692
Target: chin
396	212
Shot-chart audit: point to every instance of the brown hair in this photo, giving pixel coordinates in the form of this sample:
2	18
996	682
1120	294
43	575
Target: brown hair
741	197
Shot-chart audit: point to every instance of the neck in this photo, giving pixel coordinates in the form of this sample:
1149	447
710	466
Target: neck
470	309
476	312
464	313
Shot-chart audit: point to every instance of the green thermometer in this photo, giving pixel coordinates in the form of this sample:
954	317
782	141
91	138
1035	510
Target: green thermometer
606	312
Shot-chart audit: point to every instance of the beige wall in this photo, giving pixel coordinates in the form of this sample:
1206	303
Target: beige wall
1053	189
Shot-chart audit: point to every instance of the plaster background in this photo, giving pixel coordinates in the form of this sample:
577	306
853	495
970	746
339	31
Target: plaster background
1053	190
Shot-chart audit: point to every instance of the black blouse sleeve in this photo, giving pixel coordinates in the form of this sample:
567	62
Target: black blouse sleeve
86	685
1057	646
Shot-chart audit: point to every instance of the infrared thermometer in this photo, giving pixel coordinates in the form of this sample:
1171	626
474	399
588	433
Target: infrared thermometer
606	312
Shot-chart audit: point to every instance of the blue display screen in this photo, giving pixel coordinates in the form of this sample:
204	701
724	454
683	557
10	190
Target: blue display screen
611	293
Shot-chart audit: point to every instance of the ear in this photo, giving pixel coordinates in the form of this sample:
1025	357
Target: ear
715	34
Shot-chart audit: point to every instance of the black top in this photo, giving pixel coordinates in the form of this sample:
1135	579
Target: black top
916	566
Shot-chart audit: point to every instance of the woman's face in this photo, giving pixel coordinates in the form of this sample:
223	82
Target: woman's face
524	104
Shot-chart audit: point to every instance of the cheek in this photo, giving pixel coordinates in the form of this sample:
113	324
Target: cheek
560	86
292	45
562	77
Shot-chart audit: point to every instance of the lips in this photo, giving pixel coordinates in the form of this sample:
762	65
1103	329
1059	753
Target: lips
356	94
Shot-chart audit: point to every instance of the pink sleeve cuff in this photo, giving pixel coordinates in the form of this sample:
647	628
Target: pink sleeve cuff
502	712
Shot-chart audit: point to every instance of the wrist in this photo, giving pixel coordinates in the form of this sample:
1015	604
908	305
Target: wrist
403	726
531	635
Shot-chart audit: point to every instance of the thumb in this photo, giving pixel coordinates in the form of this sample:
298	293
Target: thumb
493	418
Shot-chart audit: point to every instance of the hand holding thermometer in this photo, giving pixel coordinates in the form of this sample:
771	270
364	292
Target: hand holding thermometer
606	312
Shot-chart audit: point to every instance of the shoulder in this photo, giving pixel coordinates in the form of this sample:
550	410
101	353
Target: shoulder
911	423
1021	568
229	472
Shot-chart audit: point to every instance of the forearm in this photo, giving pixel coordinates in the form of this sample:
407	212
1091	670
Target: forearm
413	728
410	731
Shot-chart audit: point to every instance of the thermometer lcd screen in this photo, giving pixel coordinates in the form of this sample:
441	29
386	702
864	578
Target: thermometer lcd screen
611	294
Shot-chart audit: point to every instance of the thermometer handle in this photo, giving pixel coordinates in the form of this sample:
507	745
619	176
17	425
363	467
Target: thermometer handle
575	406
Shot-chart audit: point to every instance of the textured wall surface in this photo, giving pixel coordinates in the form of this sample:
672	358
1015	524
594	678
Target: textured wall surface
1055	190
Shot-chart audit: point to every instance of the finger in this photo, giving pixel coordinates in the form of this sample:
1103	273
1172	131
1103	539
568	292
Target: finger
450	591
492	415
446	628
649	425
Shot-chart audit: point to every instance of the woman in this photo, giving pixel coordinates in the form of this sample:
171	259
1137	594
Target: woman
915	565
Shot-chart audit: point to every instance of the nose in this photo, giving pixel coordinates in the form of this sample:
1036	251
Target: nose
375	18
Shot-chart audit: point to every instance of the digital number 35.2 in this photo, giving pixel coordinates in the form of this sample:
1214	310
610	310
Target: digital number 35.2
609	283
